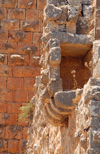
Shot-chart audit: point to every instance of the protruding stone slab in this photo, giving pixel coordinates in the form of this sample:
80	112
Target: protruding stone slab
72	44
59	110
64	99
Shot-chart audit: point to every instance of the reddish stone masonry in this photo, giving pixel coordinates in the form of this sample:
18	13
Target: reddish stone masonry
20	33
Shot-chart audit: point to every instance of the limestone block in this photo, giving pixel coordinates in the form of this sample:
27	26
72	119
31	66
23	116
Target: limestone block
94	107
64	100
92	93
54	86
71	38
52	12
93	82
54	72
96	136
55	56
59	110
64	13
96	70
45	76
94	123
87	11
73	12
71	27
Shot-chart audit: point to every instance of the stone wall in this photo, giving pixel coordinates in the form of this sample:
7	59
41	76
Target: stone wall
20	33
67	105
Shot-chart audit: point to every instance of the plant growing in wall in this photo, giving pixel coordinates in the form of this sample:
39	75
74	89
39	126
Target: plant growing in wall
26	112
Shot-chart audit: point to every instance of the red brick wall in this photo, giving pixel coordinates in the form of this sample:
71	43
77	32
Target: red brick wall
20	32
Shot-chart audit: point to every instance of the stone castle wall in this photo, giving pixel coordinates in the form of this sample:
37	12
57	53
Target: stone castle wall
67	115
20	32
66	118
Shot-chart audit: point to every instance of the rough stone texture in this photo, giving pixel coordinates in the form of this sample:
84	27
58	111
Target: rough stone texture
66	117
75	114
19	51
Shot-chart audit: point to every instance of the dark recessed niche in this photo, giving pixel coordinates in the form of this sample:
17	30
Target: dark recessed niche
70	63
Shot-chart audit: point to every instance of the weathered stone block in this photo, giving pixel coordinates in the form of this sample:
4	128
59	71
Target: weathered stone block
95	123
96	70
96	136
64	100
55	56
54	72
18	60
10	24
94	107
33	26
54	86
16	14
27	4
52	12
96	54
34	61
18	36
73	12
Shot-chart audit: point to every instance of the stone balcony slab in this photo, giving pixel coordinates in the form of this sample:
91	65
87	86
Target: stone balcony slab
73	45
64	99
